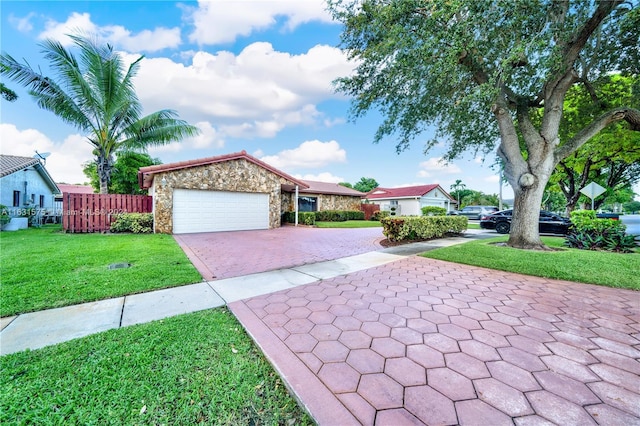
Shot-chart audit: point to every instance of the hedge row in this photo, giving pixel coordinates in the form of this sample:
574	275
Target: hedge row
304	218
422	227
310	218
339	215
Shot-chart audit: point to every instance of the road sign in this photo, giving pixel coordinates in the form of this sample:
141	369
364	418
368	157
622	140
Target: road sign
592	191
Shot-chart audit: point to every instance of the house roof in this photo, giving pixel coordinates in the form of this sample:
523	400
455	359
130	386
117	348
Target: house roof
403	192
13	163
145	174
75	189
316	187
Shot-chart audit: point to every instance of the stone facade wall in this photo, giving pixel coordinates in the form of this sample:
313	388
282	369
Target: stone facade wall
287	202
325	202
234	175
337	202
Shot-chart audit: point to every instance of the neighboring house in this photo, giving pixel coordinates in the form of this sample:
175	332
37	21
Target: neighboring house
25	184
409	200
233	192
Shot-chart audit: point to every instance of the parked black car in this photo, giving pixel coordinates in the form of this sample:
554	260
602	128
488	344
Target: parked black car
550	223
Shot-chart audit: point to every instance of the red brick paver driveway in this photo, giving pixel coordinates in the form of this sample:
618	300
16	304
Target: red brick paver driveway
420	341
219	255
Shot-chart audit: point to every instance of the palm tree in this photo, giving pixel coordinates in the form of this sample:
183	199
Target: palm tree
95	94
458	187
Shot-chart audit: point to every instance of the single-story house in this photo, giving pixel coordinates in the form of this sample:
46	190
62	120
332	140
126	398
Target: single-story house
25	183
232	192
409	200
319	196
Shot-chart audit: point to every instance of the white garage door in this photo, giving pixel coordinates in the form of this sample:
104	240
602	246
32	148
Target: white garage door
212	211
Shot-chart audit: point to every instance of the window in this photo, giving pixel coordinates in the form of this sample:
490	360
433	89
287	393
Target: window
307	204
41	204
393	203
16	198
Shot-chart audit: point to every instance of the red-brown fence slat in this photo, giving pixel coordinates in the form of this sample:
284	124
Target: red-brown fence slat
369	210
96	212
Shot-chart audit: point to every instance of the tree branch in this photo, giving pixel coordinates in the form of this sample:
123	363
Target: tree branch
572	49
630	115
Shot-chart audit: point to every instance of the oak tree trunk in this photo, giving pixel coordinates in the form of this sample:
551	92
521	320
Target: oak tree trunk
524	232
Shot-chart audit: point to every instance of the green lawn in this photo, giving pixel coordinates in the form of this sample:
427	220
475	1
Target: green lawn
199	368
45	268
603	268
350	224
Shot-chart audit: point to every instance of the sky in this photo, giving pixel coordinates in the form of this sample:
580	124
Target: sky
251	75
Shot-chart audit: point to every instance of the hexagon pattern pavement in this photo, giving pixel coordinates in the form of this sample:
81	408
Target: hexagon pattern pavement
420	341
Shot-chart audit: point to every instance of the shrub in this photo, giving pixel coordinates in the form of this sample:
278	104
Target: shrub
433	211
4	215
331	216
339	215
422	228
355	214
378	215
589	233
288	217
137	223
307	218
304	218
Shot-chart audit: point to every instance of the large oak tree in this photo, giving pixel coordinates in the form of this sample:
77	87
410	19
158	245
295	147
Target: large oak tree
479	71
94	92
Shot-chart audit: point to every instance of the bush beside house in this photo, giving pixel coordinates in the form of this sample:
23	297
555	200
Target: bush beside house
136	223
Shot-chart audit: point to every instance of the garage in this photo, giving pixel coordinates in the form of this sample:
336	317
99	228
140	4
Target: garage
214	211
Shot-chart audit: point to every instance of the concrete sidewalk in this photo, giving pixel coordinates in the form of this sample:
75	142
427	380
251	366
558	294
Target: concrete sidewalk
39	329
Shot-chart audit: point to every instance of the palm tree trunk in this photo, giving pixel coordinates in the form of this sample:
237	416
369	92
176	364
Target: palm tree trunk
105	165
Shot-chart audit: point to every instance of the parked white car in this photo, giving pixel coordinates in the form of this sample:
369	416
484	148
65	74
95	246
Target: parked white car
632	222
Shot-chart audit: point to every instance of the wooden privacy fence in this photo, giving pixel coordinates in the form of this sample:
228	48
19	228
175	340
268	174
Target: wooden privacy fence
369	210
95	212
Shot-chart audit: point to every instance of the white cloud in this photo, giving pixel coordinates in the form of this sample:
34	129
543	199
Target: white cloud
435	166
492	179
270	127
310	154
222	21
23	24
209	138
321	177
254	94
144	41
66	159
330	122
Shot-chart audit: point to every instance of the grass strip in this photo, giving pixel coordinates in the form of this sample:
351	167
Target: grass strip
199	368
350	224
46	268
593	267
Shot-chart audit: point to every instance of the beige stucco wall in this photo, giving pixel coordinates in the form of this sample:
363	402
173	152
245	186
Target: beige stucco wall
234	175
325	202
